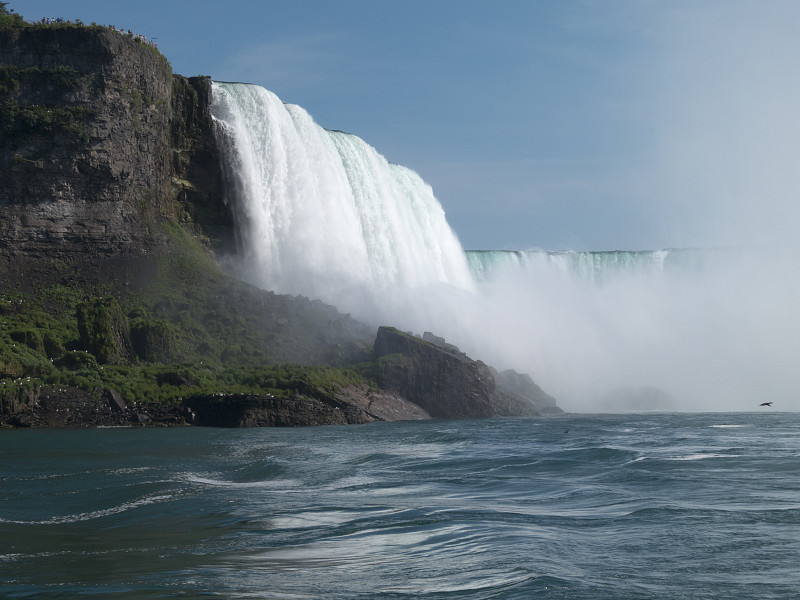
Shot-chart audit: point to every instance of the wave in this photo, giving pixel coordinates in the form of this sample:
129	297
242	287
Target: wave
96	514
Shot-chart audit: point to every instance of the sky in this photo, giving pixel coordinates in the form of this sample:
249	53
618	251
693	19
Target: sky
569	124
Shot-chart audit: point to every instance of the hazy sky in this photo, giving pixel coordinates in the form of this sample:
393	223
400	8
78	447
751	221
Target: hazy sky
568	124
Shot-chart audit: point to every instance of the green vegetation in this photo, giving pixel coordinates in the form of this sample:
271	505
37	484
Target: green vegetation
51	114
8	17
158	324
16	119
92	344
189	330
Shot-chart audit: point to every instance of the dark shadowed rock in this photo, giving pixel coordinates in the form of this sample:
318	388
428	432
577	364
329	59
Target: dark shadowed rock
522	388
71	407
264	410
115	401
443	381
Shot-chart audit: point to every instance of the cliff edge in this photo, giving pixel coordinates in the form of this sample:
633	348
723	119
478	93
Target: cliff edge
99	143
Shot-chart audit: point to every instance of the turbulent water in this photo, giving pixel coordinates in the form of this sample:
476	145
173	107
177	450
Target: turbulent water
645	506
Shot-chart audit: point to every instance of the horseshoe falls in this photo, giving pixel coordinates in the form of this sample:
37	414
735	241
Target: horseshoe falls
322	214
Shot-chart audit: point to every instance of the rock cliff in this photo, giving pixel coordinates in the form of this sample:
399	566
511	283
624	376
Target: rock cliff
85	151
112	213
99	142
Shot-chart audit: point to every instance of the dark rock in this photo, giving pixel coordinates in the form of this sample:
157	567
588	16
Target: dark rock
115	401
92	157
440	341
71	407
445	383
99	140
249	410
521	388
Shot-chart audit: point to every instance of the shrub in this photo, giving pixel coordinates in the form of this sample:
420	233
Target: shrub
104	331
153	340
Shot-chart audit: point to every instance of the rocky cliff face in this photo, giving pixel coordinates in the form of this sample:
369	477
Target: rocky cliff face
98	142
85	151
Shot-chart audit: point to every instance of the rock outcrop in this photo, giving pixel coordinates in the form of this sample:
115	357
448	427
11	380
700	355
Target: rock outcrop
446	383
520	388
258	410
85	151
69	407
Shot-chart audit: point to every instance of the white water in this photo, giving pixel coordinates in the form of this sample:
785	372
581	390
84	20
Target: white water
322	214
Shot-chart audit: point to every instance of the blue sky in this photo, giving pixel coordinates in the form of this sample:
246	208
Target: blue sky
567	124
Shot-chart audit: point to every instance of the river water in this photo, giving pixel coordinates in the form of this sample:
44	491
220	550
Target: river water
573	507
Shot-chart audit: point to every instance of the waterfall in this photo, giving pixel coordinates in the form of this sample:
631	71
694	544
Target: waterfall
322	214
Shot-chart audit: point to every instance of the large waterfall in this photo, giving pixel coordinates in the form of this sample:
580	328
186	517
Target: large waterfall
322	214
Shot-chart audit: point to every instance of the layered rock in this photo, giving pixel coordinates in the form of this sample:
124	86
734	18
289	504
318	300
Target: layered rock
99	140
86	147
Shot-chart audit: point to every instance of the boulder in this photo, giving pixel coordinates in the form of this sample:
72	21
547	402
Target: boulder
445	382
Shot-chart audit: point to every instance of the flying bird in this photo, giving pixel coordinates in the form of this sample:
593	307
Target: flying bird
766	404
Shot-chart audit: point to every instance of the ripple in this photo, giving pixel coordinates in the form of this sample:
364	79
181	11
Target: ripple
96	514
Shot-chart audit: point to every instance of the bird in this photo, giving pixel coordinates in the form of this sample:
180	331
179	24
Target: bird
766	404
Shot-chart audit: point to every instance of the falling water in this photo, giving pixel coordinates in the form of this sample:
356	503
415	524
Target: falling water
322	214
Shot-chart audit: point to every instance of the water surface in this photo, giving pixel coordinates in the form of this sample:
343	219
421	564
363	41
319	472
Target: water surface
574	507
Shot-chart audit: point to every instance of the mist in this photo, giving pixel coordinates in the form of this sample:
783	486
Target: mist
728	132
324	215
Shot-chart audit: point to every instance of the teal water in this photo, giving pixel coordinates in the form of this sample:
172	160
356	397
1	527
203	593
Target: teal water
575	507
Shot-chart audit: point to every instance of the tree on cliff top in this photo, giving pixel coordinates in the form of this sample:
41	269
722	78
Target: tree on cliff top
8	16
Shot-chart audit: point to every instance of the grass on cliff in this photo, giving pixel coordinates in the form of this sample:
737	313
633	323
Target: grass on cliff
180	333
43	117
65	338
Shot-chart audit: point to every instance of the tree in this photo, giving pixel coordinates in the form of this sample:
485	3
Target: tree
8	16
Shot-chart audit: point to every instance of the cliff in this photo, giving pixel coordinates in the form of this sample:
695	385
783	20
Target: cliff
112	224
100	142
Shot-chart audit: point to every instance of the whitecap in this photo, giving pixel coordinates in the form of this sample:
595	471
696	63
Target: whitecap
96	514
267	483
702	456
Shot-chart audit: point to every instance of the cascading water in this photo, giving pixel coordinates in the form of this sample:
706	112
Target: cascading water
321	213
